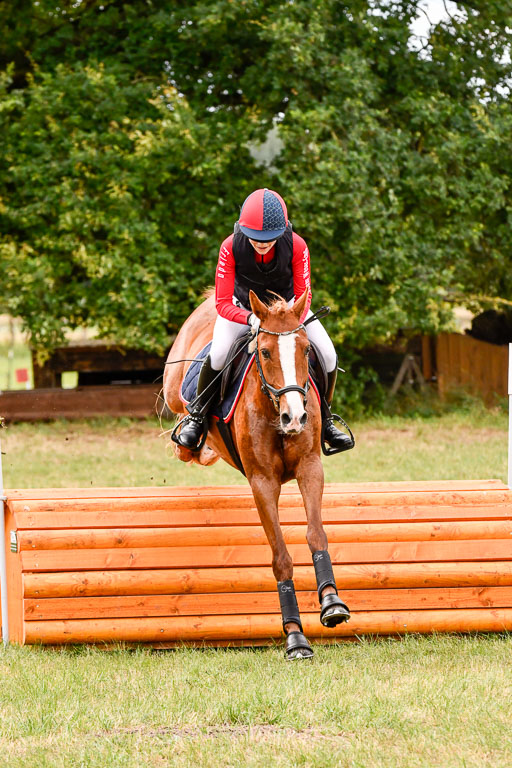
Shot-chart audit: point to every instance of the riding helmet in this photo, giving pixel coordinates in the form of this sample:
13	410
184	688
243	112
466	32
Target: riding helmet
263	216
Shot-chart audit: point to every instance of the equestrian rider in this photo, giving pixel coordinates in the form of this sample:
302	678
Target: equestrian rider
263	255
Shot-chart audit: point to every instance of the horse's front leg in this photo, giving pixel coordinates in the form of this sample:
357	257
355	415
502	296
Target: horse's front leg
266	491
310	477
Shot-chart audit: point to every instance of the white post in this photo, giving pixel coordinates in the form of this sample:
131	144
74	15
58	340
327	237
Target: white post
3	568
510	415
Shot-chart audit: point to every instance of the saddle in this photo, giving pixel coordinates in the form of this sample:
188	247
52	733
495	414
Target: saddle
233	377
232	382
317	370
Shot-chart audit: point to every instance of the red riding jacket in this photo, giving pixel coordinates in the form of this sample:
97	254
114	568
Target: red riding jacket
225	277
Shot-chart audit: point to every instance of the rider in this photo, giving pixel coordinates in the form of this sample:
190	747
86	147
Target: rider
263	255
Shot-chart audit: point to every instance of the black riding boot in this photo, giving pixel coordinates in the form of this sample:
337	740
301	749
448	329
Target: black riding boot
333	436
207	388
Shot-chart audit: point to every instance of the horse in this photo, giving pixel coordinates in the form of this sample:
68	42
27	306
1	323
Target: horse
276	429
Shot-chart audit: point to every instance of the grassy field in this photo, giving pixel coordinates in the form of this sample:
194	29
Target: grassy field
441	701
417	702
468	442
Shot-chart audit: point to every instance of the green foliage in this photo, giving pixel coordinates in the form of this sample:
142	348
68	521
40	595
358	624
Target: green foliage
112	206
126	129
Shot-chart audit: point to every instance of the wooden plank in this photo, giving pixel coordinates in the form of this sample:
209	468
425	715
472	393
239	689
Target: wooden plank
441	364
423	487
255	535
203	580
100	357
237	510
233	556
262	602
14	585
137	401
427	362
264	626
131	517
479	366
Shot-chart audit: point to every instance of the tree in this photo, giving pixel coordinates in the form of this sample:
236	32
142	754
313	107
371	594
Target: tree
127	129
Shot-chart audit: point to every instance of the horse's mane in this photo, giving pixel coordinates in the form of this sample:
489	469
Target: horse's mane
278	306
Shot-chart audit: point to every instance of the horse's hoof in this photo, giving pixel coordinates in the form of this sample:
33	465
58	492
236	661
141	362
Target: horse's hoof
334	611
297	647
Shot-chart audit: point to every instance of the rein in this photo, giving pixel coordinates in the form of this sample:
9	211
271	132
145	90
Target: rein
267	388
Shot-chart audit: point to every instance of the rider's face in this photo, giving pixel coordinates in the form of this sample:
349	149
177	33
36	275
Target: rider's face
262	248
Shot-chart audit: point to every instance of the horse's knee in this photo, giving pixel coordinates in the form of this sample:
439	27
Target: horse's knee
207	456
316	538
282	566
182	453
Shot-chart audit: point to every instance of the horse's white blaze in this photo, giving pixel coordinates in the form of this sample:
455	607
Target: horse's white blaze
287	358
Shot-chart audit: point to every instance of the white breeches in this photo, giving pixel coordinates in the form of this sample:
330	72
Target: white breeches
226	331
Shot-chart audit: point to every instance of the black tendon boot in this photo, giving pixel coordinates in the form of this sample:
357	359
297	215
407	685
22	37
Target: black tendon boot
194	426
337	440
333	610
297	646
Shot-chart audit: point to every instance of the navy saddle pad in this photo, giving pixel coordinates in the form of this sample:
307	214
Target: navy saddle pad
226	409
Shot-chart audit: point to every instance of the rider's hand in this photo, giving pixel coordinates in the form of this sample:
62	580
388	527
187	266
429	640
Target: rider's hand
254	324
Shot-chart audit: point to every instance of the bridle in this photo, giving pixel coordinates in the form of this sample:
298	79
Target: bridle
271	392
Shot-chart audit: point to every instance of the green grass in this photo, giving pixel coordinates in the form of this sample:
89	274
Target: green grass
414	703
458	444
437	701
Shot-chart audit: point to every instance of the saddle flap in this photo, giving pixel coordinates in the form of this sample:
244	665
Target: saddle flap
239	358
231	382
317	369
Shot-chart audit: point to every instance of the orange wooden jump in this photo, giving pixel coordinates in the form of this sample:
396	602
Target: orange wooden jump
191	565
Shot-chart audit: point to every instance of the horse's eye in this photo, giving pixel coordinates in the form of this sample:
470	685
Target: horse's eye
307	350
265	353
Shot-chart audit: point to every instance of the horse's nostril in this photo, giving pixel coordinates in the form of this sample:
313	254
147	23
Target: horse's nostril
285	419
303	418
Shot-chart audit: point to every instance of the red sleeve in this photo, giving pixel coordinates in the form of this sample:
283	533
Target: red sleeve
301	270
225	285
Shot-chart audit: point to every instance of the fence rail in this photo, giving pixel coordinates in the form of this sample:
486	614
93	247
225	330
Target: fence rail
462	361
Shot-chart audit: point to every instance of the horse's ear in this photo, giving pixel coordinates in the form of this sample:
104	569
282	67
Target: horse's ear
300	304
258	307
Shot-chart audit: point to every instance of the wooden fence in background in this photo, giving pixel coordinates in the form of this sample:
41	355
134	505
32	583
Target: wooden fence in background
138	401
462	361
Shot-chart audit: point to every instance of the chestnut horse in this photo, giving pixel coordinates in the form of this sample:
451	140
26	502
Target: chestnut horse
276	430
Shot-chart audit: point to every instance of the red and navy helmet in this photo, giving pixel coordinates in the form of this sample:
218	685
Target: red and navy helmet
263	216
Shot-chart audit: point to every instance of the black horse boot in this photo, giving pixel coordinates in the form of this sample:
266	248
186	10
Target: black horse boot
194	426
336	439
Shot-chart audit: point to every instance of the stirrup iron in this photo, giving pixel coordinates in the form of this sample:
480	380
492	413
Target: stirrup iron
175	434
327	449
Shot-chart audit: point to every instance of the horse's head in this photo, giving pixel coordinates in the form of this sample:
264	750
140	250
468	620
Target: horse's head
282	357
